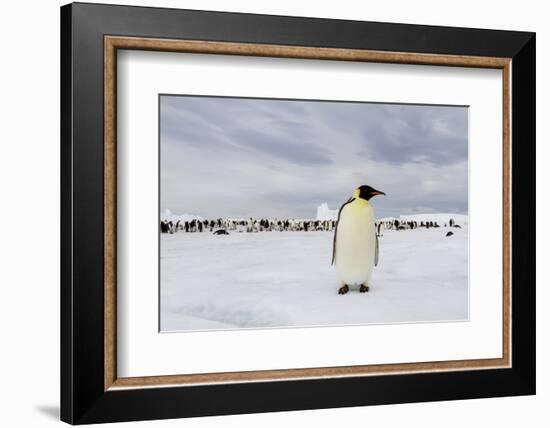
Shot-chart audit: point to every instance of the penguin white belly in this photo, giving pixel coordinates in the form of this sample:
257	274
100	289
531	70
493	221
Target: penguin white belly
355	244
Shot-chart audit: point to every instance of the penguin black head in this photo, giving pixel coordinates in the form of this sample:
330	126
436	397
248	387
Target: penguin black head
367	192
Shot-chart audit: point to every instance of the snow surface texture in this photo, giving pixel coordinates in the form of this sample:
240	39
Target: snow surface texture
285	279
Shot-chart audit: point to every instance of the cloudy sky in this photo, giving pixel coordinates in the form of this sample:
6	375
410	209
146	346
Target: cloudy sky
238	157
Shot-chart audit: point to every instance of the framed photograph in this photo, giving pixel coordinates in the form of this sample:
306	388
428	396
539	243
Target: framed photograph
266	213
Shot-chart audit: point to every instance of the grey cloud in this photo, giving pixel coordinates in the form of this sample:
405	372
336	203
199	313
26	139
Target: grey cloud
230	156
423	134
289	148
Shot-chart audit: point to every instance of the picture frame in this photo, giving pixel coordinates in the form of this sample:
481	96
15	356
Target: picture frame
91	390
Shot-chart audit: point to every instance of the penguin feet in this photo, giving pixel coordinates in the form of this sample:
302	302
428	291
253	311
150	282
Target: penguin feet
364	288
343	289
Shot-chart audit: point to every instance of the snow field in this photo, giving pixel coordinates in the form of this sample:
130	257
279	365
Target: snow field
284	279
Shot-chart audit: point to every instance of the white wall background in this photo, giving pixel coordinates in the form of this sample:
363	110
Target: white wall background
29	214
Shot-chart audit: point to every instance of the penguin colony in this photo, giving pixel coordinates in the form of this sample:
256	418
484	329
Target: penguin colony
250	225
287	225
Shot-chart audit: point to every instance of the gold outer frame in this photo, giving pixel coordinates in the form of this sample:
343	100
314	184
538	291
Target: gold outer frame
113	43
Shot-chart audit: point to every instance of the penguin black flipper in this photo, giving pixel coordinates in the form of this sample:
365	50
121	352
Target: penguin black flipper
376	253
336	228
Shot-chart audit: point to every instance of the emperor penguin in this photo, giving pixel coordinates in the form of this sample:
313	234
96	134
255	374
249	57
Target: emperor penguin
355	244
